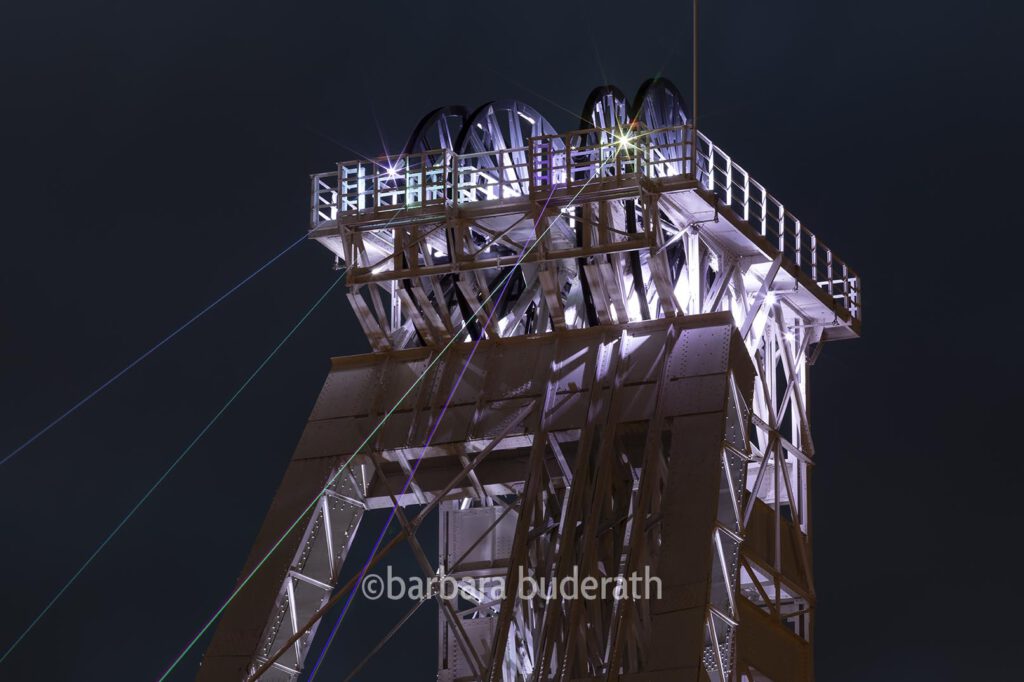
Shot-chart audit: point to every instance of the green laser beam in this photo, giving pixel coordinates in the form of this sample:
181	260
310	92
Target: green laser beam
171	468
180	457
331	481
340	471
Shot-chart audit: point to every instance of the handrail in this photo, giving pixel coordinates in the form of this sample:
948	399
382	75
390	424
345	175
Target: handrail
748	198
440	178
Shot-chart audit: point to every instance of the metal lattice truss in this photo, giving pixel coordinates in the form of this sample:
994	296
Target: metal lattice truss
638	402
595	504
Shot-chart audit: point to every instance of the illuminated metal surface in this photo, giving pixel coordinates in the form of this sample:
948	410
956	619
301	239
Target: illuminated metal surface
639	399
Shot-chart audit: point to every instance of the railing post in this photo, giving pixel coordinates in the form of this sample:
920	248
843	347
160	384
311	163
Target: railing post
858	304
814	259
764	212
643	161
689	152
314	201
797	239
846	288
782	229
728	181
649	163
501	176
620	166
375	179
828	267
711	166
360	187
569	171
424	159
454	160
746	196
531	166
343	187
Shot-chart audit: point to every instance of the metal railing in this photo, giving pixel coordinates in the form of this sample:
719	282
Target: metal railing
489	176
748	198
601	157
435	180
409	181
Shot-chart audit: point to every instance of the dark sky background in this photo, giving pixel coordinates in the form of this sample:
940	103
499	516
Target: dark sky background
154	155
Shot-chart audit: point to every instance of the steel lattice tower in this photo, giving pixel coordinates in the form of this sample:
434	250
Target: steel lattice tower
638	400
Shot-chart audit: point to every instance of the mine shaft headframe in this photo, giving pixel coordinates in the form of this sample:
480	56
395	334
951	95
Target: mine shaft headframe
449	216
704	302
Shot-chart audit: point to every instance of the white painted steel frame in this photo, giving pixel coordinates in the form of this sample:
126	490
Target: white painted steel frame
423	231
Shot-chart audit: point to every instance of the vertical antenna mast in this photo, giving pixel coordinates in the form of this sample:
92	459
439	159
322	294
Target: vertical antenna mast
695	2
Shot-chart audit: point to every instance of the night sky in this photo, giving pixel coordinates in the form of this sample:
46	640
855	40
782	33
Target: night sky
154	156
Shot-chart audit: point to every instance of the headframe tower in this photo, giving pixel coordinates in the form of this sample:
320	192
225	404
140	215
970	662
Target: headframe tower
647	315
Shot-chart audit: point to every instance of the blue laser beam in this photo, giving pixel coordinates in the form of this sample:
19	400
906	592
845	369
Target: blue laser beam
170	468
99	389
